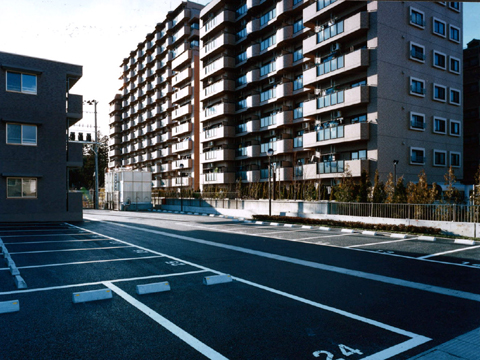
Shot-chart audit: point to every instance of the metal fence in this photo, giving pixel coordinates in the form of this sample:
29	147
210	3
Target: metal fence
432	212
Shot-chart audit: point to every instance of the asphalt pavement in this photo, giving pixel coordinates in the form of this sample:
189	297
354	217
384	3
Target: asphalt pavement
291	293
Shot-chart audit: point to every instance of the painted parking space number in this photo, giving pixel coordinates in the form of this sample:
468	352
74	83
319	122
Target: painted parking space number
174	263
345	350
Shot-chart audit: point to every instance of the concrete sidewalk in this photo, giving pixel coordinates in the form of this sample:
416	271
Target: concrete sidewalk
464	347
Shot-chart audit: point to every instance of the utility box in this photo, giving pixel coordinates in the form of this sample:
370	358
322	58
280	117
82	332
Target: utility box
128	189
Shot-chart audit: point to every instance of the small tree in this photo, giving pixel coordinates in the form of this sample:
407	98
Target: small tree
419	193
451	195
363	187
390	190
345	189
378	192
400	196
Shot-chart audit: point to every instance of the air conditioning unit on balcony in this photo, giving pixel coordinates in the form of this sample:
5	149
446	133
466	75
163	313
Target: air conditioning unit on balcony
306	126
335	47
271	80
318	91
271	133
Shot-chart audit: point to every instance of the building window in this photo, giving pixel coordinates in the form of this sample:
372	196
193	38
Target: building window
268	94
439	93
454	159
417	87
359	119
439	27
18	134
455	128
454	65
417	18
359	155
454	97
268	16
417	156
417	121
298	54
439	158
21	188
417	52
266	43
298	83
298	111
268	68
439	60
439	125
22	83
454	33
454	5
298	26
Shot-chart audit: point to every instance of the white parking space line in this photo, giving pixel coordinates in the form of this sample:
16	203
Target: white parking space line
86	262
378	243
34	230
449	252
60	287
167	324
66	250
45	235
415	340
55	242
335	269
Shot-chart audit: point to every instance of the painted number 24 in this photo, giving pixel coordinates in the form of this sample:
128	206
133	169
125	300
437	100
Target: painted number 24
346	350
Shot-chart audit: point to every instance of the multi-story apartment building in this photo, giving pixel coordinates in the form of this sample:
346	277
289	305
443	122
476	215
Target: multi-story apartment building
36	154
471	76
330	87
154	122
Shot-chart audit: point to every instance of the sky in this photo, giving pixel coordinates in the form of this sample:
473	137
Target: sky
99	34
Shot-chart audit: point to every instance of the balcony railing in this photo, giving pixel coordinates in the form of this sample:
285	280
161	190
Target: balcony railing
331	167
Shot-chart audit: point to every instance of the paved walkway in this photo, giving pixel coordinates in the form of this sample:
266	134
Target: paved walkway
464	347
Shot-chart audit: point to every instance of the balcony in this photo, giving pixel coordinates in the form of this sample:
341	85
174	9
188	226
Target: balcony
284	62
284	7
336	100
182	146
117	129
218	155
253	26
165	136
248	127
162	183
284	89
284	174
187	163
218	110
218	178
182	111
182	94
184	181
74	108
279	146
182	129
334	169
182	76
340	65
217	133
181	59
248	152
217	66
217	88
223	16
342	30
317	9
284	33
337	134
217	44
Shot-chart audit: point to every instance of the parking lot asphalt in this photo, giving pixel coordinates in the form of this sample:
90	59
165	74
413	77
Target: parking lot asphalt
277	307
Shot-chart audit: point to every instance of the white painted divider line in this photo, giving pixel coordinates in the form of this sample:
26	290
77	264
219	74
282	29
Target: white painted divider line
335	269
464	242
55	242
415	340
90	262
167	324
66	250
101	282
449	252
45	235
378	243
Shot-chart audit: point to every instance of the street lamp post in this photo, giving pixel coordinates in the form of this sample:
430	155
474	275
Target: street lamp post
95	151
395	163
181	186
269	154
